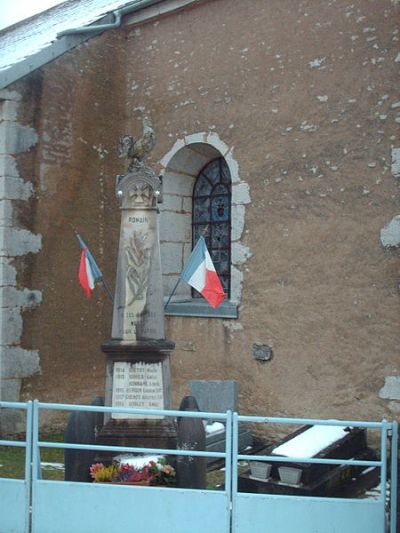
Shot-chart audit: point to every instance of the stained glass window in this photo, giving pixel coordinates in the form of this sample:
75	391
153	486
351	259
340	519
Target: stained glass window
211	217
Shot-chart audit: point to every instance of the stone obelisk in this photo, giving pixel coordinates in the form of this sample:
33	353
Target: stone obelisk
138	355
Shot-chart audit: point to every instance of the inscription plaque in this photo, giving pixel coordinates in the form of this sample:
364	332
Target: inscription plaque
137	385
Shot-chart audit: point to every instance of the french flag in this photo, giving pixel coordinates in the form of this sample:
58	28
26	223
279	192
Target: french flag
86	277
200	273
89	272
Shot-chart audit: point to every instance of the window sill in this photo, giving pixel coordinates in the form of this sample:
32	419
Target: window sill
201	308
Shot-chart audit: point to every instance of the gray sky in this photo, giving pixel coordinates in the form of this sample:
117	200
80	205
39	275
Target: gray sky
11	11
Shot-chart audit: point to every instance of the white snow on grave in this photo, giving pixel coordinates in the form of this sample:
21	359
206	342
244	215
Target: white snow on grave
310	442
52	466
138	461
214	427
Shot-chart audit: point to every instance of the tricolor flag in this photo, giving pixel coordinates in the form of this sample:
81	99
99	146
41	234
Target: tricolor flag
89	272
200	273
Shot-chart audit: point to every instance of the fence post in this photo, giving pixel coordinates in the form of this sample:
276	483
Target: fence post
384	437
28	467
393	477
228	464
235	451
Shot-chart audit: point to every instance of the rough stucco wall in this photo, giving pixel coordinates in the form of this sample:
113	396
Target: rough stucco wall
78	118
305	95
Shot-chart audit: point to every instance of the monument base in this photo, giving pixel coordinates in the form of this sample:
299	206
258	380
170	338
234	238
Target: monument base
137	376
139	433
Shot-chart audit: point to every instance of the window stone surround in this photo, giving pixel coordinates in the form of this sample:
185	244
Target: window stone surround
180	168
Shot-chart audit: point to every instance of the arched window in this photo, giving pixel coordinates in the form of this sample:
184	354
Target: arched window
211	217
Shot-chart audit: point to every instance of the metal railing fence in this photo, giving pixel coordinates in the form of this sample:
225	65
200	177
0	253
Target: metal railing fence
36	500
17	492
386	429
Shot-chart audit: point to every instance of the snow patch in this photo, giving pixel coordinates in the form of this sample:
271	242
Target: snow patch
214	428
138	461
52	466
310	442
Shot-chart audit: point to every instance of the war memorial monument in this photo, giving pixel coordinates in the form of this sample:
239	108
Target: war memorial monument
138	355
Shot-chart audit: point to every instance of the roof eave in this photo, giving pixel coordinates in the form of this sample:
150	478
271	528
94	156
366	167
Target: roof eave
47	54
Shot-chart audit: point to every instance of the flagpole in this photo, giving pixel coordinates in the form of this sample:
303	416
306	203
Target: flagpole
100	278
107	289
172	293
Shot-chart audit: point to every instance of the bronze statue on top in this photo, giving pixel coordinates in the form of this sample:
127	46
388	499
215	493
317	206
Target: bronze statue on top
137	150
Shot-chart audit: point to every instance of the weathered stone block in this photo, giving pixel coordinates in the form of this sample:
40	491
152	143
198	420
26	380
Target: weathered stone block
8	166
390	234
240	253
8	110
10	390
15	188
16	242
16	362
241	194
171	202
391	388
171	258
188	161
237	212
236	284
396	162
187	204
175	227
175	183
6	213
16	139
187	250
5	94
8	274
12	297
183	290
233	167
214	140
11	326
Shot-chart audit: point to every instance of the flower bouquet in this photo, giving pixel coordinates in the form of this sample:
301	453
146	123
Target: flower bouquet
154	473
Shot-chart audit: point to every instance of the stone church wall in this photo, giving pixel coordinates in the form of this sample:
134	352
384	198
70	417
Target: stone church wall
304	97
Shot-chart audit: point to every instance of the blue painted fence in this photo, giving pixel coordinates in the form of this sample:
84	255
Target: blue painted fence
34	505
